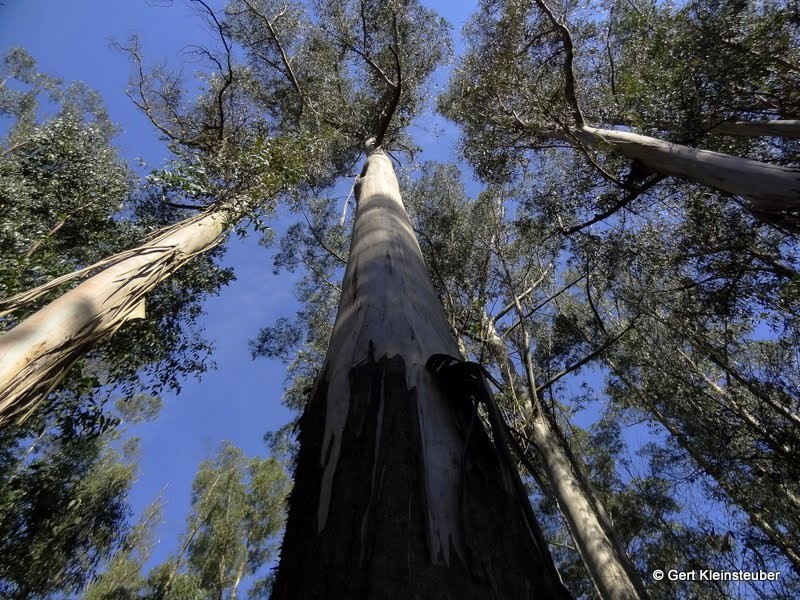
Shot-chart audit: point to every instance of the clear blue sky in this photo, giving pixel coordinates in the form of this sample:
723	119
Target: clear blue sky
241	400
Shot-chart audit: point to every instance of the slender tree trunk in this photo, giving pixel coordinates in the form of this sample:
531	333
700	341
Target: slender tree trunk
234	595
771	189
757	517
776	128
398	491
605	558
36	353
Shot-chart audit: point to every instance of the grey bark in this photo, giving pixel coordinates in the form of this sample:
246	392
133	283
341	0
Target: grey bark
591	530
399	493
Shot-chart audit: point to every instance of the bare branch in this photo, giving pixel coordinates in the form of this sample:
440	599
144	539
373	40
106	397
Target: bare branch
510	306
319	240
543	303
14	147
320	276
375	67
569	73
187	206
142	103
629	197
281	50
610	54
589	357
228	77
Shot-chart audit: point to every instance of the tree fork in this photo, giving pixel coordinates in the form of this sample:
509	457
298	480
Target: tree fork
398	494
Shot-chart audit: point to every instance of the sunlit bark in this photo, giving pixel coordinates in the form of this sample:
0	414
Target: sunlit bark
772	191
36	354
397	493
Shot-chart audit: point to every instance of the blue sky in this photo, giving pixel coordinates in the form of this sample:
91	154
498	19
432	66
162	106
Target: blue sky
241	400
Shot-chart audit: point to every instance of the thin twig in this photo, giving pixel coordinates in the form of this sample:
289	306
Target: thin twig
281	50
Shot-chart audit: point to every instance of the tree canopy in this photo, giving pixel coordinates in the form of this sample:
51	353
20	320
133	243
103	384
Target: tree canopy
624	269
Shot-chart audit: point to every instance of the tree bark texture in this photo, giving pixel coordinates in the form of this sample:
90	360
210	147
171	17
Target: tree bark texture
591	530
770	189
399	492
784	128
36	354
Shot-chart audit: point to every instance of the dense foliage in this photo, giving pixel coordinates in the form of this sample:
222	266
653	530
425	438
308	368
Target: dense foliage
237	511
657	316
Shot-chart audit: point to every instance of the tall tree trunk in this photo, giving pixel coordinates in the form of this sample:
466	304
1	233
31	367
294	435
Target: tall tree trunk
591	530
773	191
398	491
777	128
36	354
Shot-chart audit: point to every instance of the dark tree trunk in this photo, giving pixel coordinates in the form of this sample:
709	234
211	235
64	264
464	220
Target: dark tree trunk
399	492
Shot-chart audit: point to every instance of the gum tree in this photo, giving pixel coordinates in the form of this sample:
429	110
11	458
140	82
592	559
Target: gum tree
614	89
398	490
228	164
474	249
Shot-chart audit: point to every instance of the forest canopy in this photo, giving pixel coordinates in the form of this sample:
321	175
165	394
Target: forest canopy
525	284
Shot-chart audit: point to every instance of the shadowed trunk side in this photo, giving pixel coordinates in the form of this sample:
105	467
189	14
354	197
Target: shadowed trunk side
398	491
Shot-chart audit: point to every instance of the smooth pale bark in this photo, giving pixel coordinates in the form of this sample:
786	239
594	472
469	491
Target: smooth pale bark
606	561
777	128
771	189
36	354
399	493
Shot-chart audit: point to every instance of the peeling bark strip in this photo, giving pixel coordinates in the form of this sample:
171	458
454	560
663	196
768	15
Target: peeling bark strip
391	498
771	189
36	354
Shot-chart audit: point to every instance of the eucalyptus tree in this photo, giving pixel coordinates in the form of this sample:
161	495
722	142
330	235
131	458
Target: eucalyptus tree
701	361
694	284
17	102
711	267
537	75
67	202
425	489
472	248
700	268
230	162
63	501
122	578
735	436
237	511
